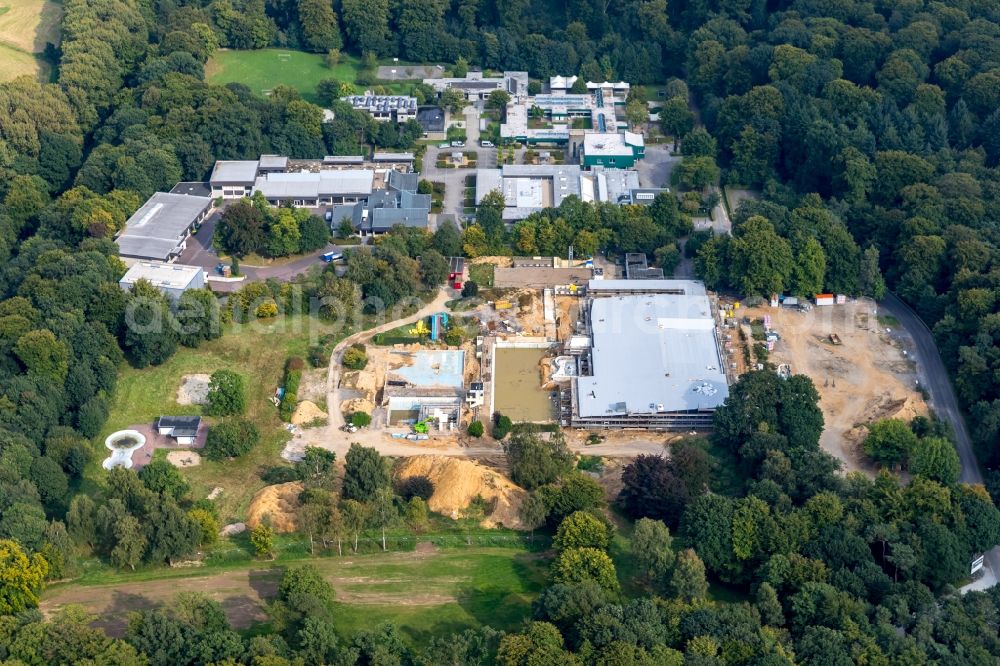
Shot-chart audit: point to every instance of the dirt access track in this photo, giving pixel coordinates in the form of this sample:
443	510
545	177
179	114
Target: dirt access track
868	376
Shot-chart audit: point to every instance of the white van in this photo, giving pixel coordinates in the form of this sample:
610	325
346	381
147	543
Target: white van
486	144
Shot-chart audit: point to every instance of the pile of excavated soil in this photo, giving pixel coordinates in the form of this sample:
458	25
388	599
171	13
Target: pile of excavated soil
279	503
307	412
457	482
357	405
193	390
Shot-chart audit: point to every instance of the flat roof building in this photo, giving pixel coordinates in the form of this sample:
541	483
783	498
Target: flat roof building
316	188
528	188
172	279
384	108
160	228
475	86
654	360
233	179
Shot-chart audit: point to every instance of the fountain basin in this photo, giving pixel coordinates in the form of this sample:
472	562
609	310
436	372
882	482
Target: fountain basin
122	444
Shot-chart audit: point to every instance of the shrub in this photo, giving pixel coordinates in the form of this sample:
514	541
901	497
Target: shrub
502	427
287	406
266	310
355	357
476	429
470	289
231	439
360	419
226	394
415	486
319	357
280	474
208	524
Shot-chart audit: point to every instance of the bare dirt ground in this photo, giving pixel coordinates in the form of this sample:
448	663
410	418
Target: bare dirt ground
866	378
313	385
242	594
184	459
193	390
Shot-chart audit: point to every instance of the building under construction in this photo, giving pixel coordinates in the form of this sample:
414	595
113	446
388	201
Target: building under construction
648	356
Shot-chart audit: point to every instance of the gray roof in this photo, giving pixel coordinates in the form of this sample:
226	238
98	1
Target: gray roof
687	287
160	274
393	157
157	229
383	219
273	162
313	185
184	426
652	353
344	159
403	182
238	172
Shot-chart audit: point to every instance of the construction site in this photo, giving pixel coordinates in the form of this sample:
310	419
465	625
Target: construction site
861	367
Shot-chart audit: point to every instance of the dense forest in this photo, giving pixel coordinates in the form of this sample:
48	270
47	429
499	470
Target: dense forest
872	131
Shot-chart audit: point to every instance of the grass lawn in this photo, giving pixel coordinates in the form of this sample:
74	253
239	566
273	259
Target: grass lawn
261	70
20	63
482	274
425	592
441	592
258	352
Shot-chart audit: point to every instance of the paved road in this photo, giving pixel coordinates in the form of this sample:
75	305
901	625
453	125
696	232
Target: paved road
934	377
655	168
200	252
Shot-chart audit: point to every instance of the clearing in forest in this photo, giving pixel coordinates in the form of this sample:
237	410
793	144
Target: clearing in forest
868	376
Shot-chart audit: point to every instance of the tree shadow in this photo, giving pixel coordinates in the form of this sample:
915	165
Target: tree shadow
113	620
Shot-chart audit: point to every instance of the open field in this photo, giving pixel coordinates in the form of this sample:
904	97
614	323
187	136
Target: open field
18	63
26	26
424	592
261	70
865	378
258	352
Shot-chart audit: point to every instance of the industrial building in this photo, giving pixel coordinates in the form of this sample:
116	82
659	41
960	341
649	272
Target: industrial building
159	230
172	279
649	357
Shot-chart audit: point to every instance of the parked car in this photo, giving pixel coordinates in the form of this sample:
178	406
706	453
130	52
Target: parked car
457	144
486	144
329	215
444	145
332	256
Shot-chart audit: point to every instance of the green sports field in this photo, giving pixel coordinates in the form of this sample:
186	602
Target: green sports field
264	69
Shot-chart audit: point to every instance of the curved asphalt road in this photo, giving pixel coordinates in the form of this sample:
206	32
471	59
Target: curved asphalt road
934	378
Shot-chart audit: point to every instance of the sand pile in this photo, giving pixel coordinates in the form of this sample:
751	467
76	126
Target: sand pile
307	412
357	405
279	503
457	482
